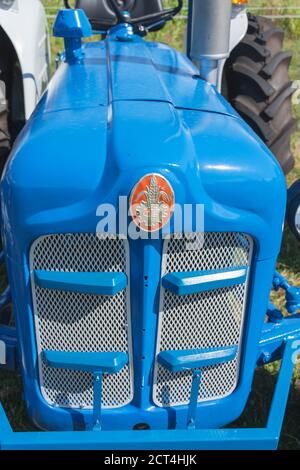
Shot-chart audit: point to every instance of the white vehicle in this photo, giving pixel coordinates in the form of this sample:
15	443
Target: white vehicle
24	65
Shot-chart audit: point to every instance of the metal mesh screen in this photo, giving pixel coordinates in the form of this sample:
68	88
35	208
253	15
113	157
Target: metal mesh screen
208	319
68	321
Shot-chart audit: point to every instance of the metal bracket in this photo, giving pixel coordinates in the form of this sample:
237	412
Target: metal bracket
97	401
195	359
95	363
192	411
292	293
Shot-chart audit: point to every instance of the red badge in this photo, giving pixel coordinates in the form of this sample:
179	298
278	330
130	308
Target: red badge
152	202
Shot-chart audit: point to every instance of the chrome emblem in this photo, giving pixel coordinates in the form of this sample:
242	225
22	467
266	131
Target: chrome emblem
152	202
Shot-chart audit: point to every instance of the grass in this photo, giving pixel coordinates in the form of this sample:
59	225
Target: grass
288	264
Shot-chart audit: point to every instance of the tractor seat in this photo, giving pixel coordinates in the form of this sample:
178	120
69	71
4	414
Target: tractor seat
102	17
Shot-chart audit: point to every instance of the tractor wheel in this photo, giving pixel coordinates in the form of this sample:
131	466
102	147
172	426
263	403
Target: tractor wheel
257	84
6	317
5	143
293	209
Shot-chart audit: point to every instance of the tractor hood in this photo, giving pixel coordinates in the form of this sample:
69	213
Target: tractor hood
114	71
127	110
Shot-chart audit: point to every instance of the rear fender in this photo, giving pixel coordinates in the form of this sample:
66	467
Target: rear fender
25	24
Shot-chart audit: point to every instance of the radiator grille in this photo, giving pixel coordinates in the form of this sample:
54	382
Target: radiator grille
69	321
208	319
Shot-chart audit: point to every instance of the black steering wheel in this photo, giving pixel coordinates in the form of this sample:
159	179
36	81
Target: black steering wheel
162	16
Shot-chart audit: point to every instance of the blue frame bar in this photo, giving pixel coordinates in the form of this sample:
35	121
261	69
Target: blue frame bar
94	283
281	393
274	336
201	439
5	426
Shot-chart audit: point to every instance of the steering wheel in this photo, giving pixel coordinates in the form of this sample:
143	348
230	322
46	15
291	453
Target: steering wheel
165	15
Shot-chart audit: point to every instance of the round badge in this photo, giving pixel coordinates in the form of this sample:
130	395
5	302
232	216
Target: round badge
152	202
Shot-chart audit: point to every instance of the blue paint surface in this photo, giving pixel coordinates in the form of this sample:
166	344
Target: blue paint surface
106	362
71	23
177	361
187	283
82	282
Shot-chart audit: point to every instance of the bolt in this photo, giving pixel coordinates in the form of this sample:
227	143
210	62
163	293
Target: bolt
265	357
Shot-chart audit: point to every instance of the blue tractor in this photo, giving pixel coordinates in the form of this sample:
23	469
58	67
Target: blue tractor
140	238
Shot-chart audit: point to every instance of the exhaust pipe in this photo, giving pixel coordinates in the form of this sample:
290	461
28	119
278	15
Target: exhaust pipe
208	37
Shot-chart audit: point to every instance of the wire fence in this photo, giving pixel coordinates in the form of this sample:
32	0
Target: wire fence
272	12
275	12
275	17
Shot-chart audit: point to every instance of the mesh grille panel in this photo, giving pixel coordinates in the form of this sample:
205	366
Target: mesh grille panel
68	321
208	319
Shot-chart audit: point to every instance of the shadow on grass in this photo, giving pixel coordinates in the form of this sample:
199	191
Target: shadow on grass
289	258
258	406
11	399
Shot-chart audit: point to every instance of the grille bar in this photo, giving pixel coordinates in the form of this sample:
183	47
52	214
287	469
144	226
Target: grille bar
80	322
209	319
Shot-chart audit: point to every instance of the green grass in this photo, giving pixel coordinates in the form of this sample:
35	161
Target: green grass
288	264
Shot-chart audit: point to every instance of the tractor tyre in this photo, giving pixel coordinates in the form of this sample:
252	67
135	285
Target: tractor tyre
5	141
293	209
257	84
6	317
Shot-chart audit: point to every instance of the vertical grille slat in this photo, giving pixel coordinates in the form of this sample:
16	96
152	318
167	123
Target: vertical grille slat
68	321
204	320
